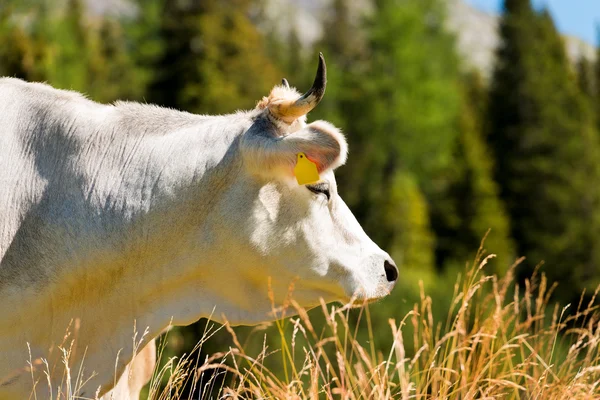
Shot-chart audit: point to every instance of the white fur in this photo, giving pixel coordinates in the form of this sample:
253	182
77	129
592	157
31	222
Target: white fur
129	213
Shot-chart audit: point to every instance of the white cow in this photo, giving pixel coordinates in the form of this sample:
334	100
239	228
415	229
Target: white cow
112	215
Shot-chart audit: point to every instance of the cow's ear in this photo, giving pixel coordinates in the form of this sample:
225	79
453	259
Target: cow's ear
266	153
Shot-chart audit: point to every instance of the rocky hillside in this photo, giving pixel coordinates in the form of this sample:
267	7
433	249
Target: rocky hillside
477	37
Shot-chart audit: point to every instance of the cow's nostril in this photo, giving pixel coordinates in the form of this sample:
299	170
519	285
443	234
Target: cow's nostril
391	272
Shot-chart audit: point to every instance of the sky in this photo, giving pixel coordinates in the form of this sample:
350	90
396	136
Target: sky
573	17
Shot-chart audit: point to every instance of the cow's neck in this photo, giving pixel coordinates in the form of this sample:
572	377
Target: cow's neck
110	227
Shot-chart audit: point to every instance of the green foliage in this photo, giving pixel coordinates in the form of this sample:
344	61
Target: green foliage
205	67
13	54
112	72
585	77
470	204
546	150
69	49
413	87
18	51
405	208
68	55
297	68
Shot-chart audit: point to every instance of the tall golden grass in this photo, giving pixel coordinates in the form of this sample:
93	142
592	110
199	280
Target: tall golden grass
499	340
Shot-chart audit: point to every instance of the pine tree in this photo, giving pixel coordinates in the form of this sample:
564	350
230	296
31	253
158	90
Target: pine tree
470	205
288	54
112	72
405	208
144	44
596	81
585	77
414	86
176	65
16	47
297	69
205	67
546	150
342	35
67	48
400	123
345	46
21	50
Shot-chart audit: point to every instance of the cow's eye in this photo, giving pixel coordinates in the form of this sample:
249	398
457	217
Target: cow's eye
320	188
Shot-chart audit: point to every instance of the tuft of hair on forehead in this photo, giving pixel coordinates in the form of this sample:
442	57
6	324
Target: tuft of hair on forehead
279	93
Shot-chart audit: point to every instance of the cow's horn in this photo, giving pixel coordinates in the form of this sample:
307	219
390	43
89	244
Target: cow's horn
291	110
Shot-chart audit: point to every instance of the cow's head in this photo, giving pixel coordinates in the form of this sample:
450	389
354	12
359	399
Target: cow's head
300	234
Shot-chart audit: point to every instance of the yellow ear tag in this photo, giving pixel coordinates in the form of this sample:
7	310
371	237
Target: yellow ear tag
306	170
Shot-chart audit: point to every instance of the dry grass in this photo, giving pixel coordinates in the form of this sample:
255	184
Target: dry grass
499	340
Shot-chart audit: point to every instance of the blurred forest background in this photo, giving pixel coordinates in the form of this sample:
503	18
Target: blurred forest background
440	151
